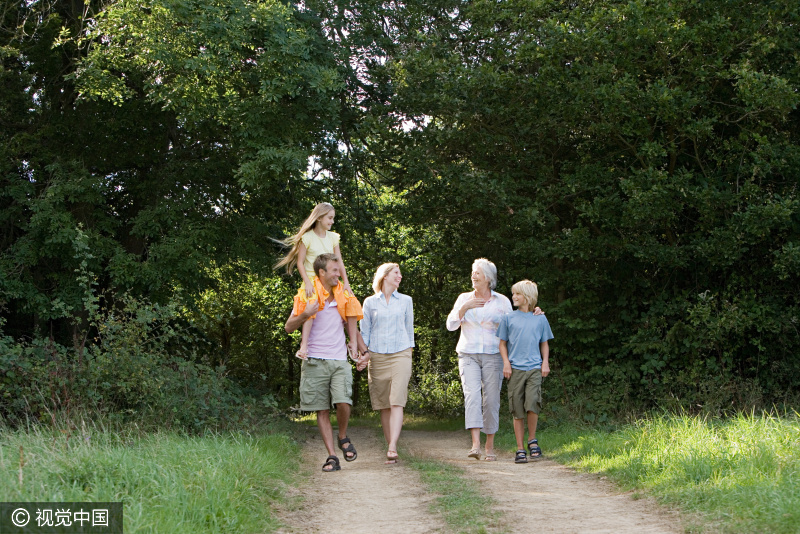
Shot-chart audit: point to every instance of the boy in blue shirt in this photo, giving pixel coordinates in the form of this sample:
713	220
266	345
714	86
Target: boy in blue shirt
523	346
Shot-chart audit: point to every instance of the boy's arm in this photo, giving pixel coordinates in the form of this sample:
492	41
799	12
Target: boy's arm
506	361
544	349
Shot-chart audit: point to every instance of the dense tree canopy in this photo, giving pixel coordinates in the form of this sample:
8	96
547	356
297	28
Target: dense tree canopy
639	160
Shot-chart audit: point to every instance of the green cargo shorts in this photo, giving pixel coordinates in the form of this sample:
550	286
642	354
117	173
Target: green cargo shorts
524	392
324	383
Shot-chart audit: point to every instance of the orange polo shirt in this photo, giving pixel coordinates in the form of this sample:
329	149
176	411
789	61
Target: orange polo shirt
346	302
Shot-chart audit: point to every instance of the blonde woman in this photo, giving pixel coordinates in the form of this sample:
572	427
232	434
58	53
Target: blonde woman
313	239
388	332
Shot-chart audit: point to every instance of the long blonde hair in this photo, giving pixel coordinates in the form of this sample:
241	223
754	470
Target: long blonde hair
290	260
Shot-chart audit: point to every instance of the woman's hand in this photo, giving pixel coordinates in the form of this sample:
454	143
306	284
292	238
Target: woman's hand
538	311
473	302
309	288
347	288
507	369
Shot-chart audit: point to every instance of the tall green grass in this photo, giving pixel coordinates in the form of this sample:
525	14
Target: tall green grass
741	473
168	482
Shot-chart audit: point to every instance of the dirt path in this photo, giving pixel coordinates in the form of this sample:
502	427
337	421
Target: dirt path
365	497
541	496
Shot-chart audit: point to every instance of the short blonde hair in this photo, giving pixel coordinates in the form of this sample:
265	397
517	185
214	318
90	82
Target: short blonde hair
381	273
529	290
488	269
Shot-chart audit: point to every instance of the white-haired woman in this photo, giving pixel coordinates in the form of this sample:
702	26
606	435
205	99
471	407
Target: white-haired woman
388	332
480	365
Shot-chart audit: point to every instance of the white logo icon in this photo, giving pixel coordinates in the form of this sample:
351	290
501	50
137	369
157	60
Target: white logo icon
20	517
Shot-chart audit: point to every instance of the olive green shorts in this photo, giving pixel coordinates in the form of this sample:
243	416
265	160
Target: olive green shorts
324	383
524	392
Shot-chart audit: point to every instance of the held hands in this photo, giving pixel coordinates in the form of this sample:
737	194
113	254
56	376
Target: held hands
362	361
352	351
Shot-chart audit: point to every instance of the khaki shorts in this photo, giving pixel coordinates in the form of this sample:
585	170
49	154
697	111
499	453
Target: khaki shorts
388	379
524	392
324	383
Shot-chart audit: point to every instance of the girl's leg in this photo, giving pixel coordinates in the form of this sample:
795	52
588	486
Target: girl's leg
303	352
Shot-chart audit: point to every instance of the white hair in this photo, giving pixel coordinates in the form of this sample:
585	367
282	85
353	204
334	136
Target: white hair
488	269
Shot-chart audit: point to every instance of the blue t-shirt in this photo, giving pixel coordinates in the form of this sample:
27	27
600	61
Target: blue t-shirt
523	331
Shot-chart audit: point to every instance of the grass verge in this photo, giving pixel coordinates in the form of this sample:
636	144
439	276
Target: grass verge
167	481
741	474
460	501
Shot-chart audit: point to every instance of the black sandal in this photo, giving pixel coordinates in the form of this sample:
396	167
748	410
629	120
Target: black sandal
520	458
348	449
534	450
333	461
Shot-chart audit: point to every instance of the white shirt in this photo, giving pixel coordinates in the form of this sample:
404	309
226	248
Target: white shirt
479	325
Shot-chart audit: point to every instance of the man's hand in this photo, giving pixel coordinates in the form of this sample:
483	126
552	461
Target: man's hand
545	368
312	307
296	321
352	350
507	369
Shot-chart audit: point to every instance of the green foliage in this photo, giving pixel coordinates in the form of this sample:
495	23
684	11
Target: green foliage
636	159
141	364
242	316
139	367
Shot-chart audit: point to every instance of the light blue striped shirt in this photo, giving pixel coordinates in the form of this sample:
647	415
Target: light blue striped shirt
388	327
